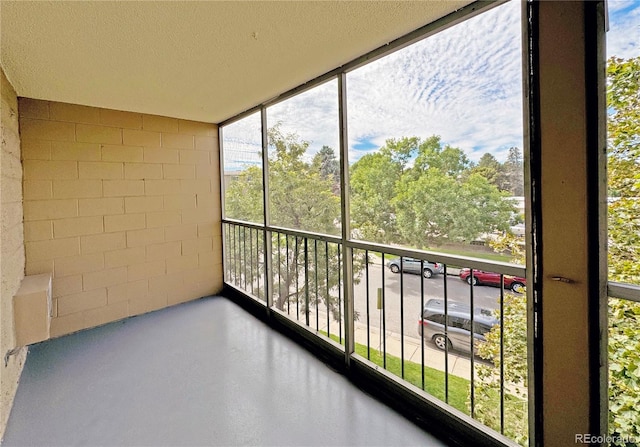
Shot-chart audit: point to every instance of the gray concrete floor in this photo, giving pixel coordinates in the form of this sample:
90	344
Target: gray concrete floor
202	373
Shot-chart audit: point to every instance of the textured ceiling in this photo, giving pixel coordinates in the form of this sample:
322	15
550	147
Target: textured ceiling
204	61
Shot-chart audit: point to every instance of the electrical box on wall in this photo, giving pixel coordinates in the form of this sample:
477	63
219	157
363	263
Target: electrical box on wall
32	309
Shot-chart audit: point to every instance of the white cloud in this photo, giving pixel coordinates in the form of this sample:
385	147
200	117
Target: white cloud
623	37
312	115
464	84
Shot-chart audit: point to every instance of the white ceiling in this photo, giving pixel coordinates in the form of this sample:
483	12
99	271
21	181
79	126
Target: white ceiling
205	61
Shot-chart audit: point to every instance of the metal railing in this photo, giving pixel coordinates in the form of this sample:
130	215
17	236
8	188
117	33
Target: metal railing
244	264
307	285
624	291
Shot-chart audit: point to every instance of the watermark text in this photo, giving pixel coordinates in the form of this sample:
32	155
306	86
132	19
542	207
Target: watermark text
586	438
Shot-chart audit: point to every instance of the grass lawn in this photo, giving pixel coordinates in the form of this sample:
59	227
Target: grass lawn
459	388
433	378
474	254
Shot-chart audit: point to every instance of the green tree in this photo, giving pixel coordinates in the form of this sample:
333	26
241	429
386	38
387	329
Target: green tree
427	202
373	180
511	337
515	373
435	207
450	161
623	98
301	196
243	196
326	163
514	170
491	169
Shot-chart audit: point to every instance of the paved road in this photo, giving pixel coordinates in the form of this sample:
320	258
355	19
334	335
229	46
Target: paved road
457	290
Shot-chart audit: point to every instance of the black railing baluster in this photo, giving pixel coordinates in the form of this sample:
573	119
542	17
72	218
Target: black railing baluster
473	348
306	280
279	269
422	327
227	263
238	259
245	262
258	262
326	263
339	294
383	333
288	277
251	259
402	316
244	255
232	253
236	255
502	354
295	254
315	268
366	269
446	336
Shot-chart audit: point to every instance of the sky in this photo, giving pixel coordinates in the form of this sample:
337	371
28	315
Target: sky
463	84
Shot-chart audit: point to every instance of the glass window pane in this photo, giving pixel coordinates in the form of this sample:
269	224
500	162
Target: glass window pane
242	167
436	139
304	163
623	101
623	107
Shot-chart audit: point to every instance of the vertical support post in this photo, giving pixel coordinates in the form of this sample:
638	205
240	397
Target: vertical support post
347	251
595	67
566	82
224	228
268	259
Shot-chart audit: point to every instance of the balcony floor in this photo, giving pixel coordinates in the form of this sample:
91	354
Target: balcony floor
202	373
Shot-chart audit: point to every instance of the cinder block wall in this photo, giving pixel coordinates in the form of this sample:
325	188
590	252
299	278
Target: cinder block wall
123	208
12	248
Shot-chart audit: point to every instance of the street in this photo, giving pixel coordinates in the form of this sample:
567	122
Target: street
457	290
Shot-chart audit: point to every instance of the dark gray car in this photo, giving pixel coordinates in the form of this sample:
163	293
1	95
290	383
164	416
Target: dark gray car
412	265
458	324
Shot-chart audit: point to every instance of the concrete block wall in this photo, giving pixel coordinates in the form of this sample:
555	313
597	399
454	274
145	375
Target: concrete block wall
123	208
12	245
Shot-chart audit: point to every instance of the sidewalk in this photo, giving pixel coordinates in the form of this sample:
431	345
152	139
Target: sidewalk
434	358
459	365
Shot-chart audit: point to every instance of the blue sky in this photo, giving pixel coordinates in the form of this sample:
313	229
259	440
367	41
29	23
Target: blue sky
464	84
623	38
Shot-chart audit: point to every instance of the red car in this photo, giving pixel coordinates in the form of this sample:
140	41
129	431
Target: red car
481	278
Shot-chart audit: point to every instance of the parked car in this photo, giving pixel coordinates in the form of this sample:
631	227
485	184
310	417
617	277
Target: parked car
482	278
412	265
458	325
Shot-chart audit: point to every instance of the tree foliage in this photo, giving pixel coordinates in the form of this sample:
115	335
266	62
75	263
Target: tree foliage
513	338
514	171
491	169
623	97
326	163
302	196
423	193
373	182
